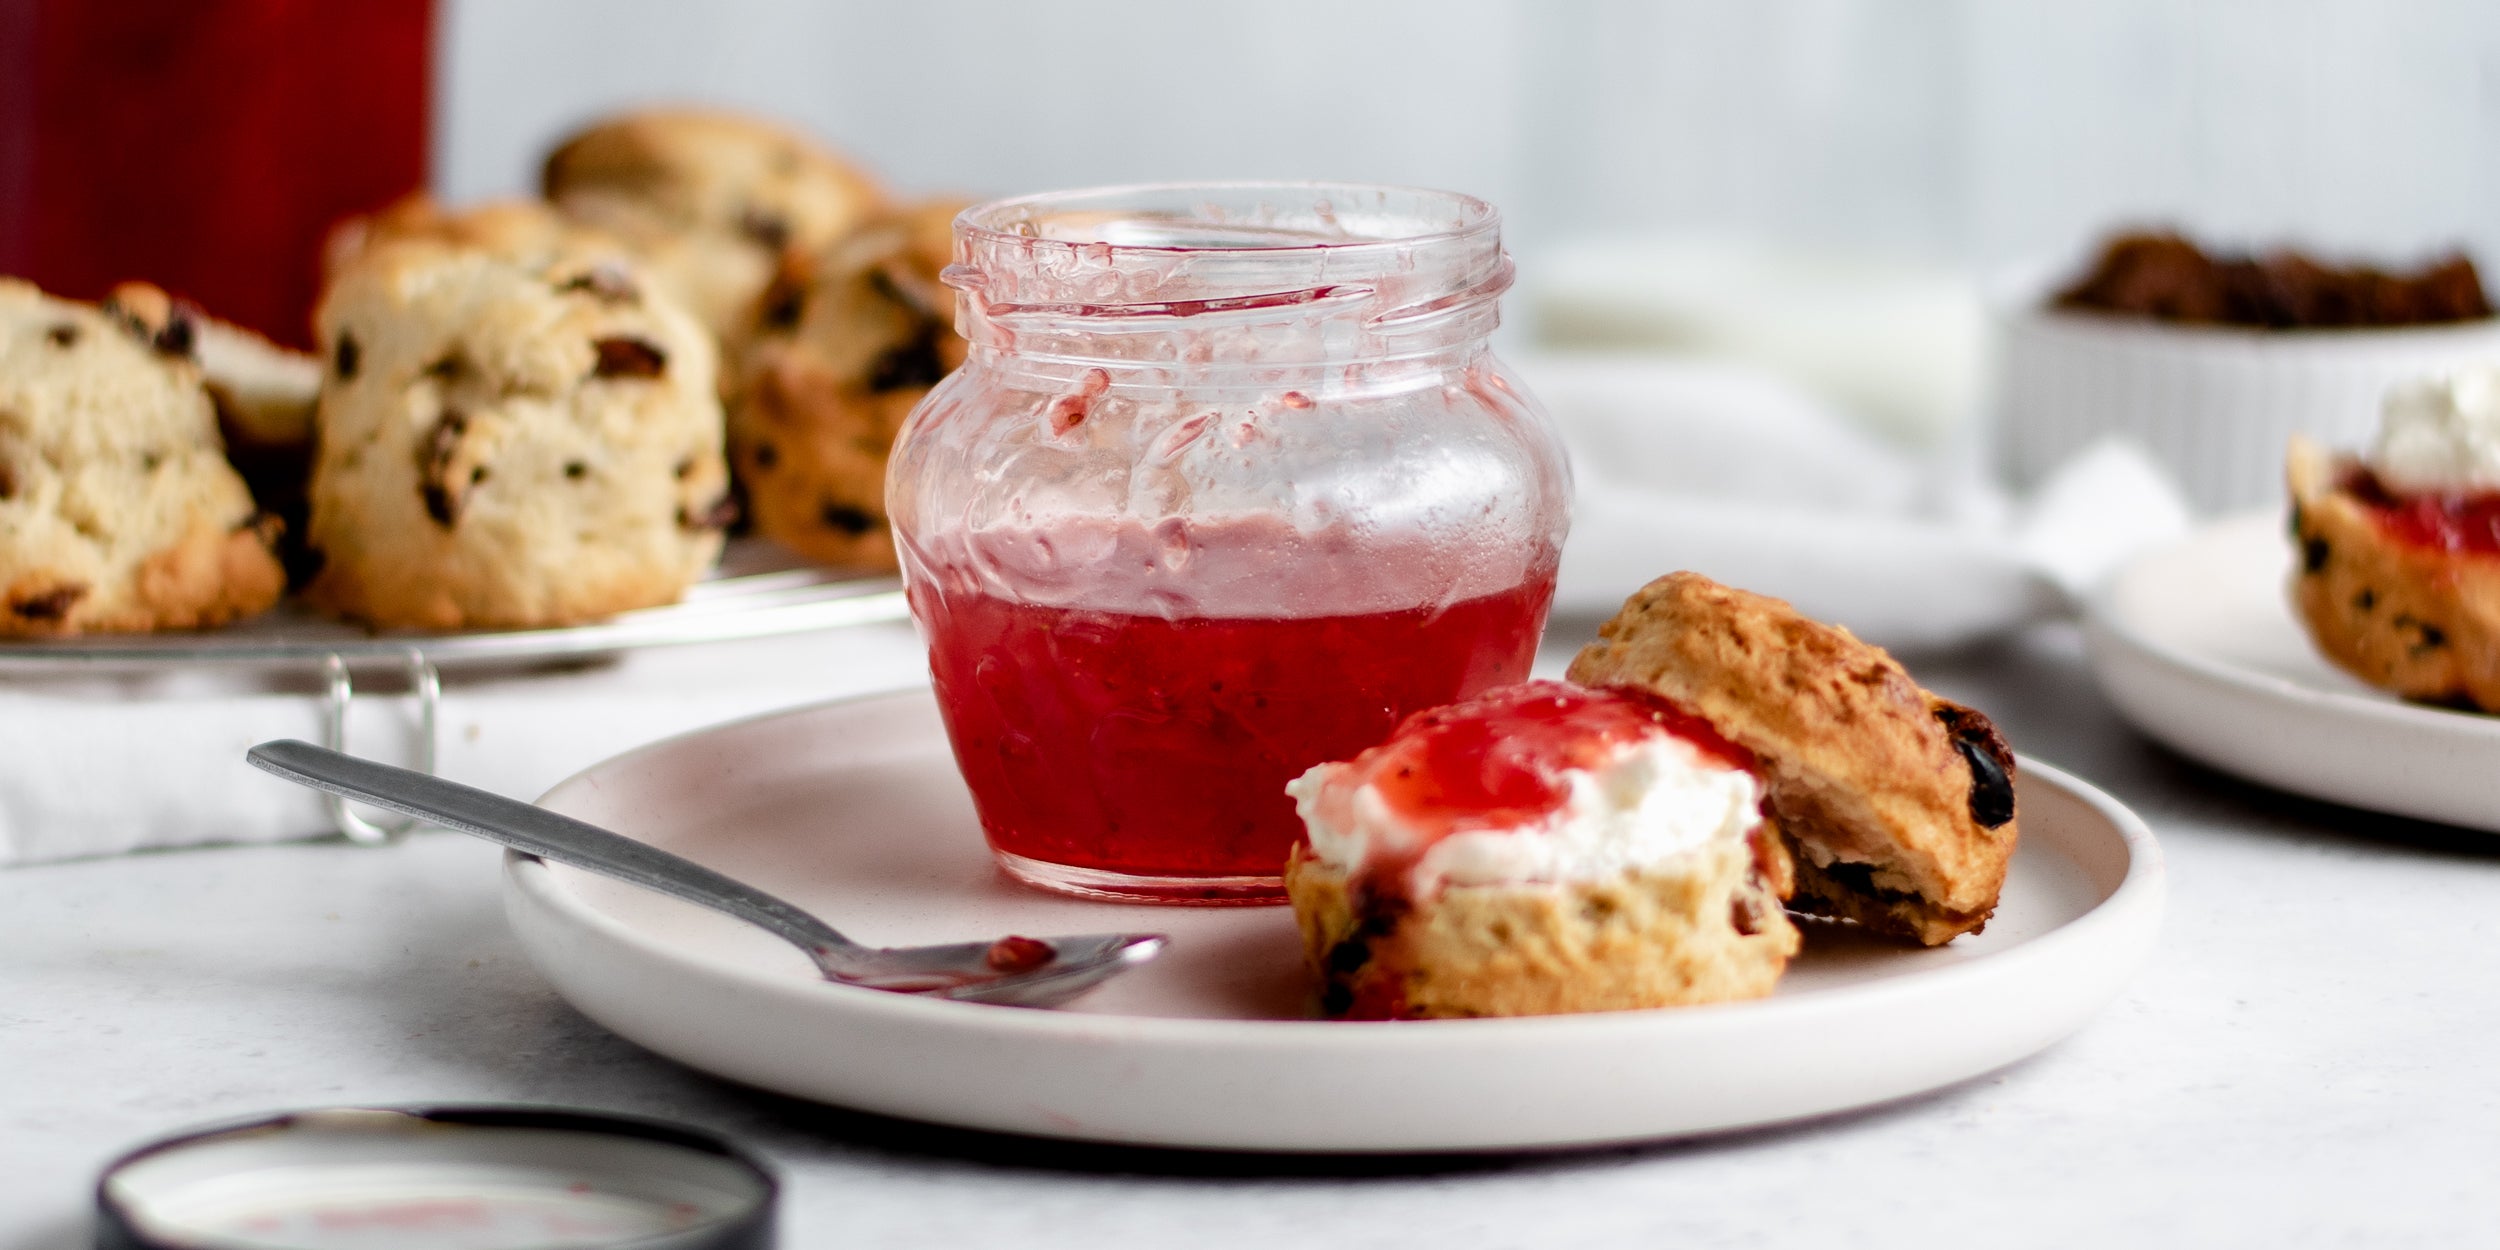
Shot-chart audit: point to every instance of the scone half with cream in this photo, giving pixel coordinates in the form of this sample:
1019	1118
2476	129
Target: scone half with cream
1539	849
1897	806
2397	572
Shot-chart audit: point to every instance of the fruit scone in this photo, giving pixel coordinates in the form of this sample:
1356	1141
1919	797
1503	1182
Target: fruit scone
1628	839
2397	575
1897	805
510	446
845	342
709	201
118	510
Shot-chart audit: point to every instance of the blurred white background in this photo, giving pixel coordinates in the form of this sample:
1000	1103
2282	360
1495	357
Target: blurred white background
1961	131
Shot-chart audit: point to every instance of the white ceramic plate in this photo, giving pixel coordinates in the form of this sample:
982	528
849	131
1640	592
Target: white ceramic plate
854	810
2197	644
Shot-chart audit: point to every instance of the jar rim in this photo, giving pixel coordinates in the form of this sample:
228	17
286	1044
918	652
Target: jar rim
1016	220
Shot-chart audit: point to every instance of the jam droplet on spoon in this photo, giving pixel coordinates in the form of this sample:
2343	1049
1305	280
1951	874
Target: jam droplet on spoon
1013	954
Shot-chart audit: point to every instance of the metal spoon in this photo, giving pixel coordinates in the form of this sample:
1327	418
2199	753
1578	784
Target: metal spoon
1016	971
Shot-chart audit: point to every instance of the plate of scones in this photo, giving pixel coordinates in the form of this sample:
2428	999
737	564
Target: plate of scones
1739	869
519	418
2346	648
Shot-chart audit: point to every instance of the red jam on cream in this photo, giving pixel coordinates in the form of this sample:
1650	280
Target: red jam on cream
1542	782
2459	522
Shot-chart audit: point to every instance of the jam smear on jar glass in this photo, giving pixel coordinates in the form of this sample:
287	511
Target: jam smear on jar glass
1229	485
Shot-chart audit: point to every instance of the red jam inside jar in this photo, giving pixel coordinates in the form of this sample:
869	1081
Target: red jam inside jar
2461	522
1135	744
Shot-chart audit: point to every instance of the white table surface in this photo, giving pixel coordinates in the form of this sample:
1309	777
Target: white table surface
2308	1061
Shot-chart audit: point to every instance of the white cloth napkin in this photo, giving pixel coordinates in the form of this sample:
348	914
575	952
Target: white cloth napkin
1729	471
98	766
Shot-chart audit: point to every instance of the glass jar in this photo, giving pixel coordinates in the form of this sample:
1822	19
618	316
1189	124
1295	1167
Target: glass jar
1229	485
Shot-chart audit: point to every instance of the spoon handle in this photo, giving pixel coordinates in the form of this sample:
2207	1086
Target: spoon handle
534	830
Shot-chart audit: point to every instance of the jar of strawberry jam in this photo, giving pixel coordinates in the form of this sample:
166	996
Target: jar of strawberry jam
1228	486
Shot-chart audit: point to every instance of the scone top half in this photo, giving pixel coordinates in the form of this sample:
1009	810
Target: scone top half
1898	806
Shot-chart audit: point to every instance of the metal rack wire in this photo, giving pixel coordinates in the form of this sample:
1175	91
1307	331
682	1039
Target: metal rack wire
757	592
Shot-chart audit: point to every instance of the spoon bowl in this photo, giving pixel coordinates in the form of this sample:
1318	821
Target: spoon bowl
1011	971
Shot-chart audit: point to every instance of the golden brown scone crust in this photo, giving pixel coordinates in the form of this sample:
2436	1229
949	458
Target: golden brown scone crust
709	200
1709	929
1874	781
529	233
845	344
2424	624
510	447
118	511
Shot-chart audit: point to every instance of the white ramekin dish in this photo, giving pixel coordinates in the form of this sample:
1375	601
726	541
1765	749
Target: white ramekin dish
2213	404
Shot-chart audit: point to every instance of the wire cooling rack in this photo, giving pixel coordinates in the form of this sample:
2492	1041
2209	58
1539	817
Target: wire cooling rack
757	591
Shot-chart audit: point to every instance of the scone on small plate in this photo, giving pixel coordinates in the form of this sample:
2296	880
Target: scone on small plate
844	344
1898	806
513	447
1541	848
709	201
2397	576
118	511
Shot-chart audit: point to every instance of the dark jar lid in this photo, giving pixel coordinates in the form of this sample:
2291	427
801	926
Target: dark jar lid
438	1178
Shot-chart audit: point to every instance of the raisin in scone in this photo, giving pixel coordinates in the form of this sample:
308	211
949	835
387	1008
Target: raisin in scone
510	447
2397	587
709	200
1537	849
846	342
1898	806
118	511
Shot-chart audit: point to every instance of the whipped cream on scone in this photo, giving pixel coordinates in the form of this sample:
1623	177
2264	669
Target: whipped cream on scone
2440	434
1540	848
1589	785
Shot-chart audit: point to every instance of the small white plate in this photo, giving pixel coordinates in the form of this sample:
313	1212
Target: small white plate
854	810
2196	643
